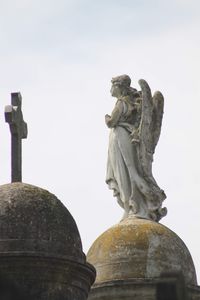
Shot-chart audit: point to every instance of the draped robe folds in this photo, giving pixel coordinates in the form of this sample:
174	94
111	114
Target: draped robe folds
124	174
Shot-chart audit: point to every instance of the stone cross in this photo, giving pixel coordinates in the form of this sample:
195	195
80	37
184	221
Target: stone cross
19	131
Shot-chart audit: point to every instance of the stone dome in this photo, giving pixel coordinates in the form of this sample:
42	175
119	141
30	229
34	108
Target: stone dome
41	253
138	248
34	221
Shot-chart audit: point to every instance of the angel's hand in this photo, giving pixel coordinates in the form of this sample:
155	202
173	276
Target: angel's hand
107	118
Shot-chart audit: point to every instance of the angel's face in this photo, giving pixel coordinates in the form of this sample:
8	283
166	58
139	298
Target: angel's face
115	90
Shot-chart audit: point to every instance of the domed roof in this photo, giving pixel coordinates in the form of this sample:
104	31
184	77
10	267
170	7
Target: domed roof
139	248
33	221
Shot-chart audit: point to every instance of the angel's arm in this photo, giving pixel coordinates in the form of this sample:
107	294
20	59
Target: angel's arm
111	121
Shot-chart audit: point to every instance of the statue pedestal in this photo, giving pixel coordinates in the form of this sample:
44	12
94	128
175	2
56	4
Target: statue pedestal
166	288
140	259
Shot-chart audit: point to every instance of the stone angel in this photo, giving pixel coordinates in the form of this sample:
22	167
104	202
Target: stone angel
135	125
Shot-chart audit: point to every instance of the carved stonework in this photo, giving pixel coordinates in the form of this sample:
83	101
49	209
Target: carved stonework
19	131
135	125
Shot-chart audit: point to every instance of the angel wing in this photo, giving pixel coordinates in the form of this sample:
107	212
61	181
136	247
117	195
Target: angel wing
150	126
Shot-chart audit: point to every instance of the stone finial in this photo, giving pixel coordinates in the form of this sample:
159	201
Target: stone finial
19	131
135	125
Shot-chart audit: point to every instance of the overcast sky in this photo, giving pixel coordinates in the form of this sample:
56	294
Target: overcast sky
61	56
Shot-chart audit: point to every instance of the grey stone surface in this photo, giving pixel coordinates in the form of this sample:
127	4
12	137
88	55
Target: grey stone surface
135	125
19	131
166	288
40	247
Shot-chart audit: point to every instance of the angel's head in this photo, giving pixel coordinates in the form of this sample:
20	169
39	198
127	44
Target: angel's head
120	86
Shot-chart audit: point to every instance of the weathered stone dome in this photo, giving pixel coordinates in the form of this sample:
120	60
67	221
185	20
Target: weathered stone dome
140	249
34	221
40	246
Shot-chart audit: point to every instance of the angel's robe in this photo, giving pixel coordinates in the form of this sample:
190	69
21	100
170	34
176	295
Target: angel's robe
123	167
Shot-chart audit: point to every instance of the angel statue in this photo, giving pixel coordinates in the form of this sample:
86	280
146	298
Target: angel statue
135	125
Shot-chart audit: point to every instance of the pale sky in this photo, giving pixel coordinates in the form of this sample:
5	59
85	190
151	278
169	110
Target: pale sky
61	56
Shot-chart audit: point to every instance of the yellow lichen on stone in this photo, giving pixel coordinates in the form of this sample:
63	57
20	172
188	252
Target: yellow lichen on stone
139	248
